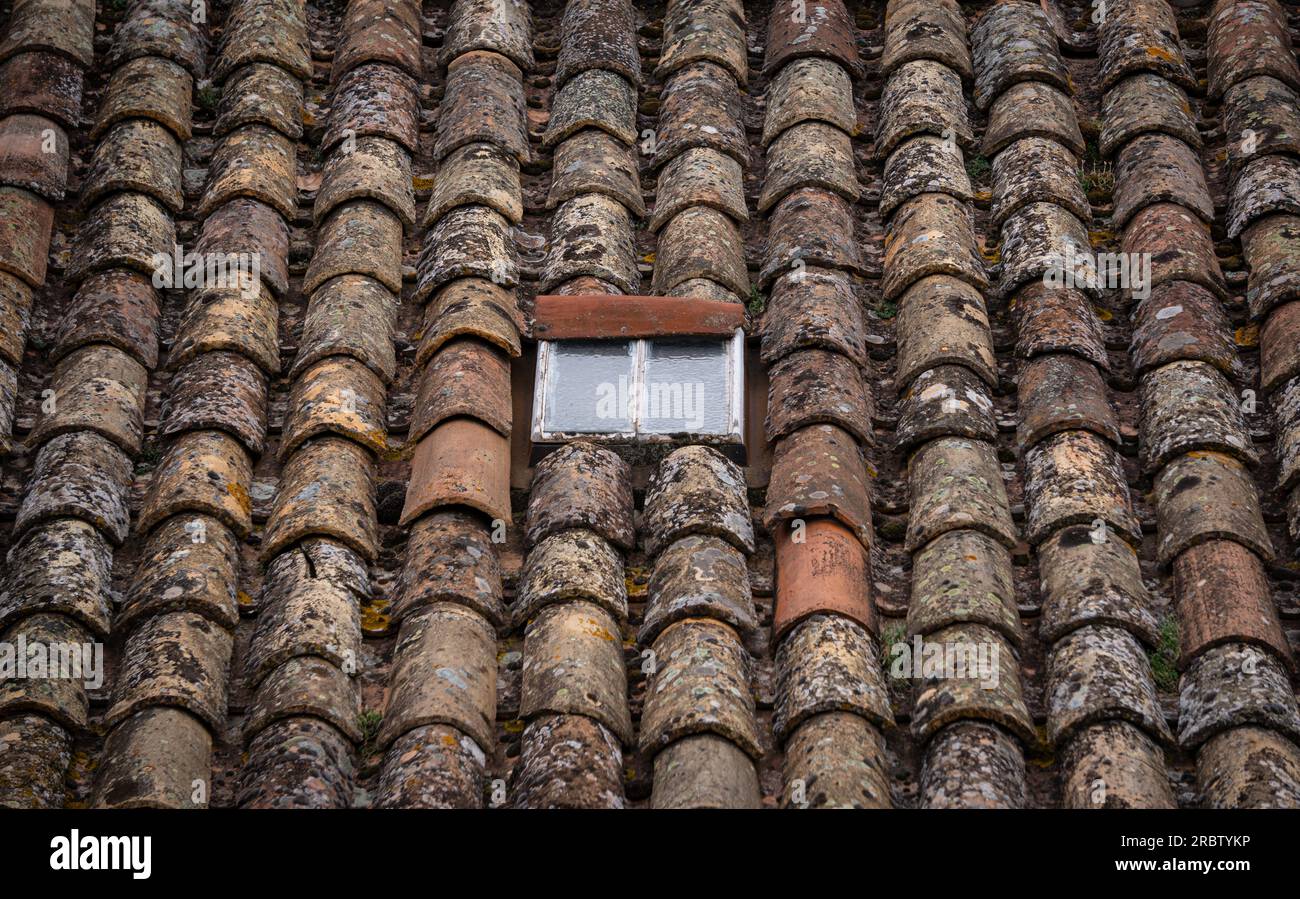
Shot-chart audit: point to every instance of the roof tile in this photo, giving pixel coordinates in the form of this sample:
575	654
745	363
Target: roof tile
594	99
1098	673
598	34
305	686
189	563
273	31
42	83
462	462
957	483
682	256
809	90
700	107
963	577
1224	597
326	490
261	94
925	29
24	160
809	155
1146	103
809	227
375	100
701	685
1014	42
460	645
970	764
449	558
826	570
97	388
1248	38
815	386
352	316
704	31
828	663
153	759
221	391
1142	36
920	165
305	612
501	26
1205	496
945	401
1182	321
78	475
151	88
697	490
912	250
484	103
572	565
1061	392
922	97
63	566
479	173
1086	580
573	665
191	674
699	576
993	696
836	758
202	471
25	234
824	30
376	169
1032	109
337	396
127	230
1233	685
591	235
164	29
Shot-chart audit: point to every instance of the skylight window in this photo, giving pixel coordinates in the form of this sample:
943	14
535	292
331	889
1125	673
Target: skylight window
643	390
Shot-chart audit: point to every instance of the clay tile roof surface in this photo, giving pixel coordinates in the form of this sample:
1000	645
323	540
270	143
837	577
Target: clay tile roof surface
1015	506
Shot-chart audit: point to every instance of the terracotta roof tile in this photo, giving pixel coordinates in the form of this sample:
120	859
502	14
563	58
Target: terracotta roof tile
261	94
450	559
1098	673
828	664
704	31
920	165
501	26
162	29
42	83
63	567
1014	42
598	34
451	638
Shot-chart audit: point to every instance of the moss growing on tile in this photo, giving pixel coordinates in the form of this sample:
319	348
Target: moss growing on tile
1164	658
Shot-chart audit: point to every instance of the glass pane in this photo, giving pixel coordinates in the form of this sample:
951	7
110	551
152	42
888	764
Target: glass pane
687	387
589	387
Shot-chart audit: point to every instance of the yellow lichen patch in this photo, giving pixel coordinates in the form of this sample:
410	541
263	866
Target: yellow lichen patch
648	258
422	182
513	726
635	580
241	496
243	598
448	740
1103	314
1160	53
1247	335
374	617
984	195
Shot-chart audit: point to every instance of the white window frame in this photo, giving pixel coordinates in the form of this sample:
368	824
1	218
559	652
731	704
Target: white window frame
735	369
